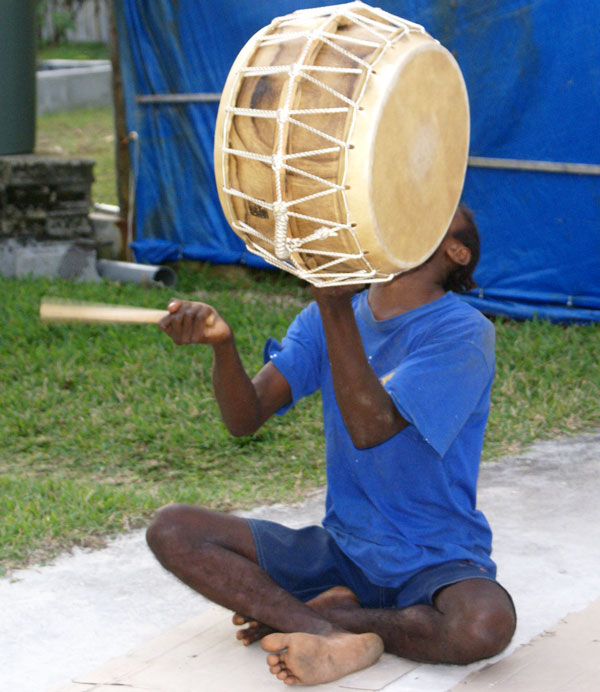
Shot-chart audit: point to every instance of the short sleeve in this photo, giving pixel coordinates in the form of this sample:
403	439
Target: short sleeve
438	387
298	356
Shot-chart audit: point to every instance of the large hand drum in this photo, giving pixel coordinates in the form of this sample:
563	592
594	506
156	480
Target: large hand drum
341	144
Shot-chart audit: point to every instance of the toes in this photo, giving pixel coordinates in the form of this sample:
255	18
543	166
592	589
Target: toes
282	673
277	670
239	619
247	638
275	642
273	660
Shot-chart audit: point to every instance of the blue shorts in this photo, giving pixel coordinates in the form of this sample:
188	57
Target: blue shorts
307	562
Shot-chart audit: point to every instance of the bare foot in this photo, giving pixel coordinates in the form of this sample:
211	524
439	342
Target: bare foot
312	659
324	603
336	597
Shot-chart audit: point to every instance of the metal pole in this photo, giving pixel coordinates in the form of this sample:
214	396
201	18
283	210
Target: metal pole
178	98
539	166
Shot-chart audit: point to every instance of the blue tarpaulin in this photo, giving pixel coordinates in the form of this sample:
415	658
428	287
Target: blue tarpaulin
532	70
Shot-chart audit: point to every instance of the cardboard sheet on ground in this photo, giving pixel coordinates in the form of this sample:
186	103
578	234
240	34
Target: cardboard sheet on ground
203	654
564	659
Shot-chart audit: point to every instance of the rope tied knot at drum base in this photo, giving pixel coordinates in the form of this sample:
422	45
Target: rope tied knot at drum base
280	213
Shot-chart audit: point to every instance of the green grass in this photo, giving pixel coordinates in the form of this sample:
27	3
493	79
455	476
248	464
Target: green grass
100	425
547	383
84	133
73	51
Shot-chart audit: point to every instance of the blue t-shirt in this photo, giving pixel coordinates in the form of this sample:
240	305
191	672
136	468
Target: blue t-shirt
408	503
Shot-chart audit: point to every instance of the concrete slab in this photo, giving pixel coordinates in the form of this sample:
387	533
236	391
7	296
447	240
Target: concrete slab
90	608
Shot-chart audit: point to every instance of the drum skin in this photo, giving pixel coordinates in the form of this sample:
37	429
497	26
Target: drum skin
385	124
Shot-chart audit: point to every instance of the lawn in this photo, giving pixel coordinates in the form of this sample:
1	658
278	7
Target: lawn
89	50
100	425
85	133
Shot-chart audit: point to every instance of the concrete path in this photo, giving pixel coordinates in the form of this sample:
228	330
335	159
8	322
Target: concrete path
62	621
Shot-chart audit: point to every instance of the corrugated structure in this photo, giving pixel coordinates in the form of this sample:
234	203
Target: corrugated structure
533	74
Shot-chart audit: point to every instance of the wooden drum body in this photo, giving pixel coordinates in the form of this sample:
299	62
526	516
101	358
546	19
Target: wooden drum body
341	144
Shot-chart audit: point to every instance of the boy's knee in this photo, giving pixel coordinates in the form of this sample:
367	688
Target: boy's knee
484	631
167	530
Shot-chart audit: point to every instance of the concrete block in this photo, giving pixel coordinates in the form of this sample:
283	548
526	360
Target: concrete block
74	87
45	196
61	259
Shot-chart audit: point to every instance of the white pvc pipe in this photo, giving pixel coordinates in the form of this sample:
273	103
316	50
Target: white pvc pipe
136	273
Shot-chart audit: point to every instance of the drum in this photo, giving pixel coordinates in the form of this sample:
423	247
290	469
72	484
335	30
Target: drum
341	144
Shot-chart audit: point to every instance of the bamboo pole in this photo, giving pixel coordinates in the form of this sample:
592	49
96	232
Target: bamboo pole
122	158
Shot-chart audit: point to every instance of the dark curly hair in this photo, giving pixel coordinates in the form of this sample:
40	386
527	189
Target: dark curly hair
460	280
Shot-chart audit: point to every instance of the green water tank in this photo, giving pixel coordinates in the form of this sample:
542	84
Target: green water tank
17	76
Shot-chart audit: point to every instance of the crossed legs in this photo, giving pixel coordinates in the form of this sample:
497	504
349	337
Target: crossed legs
332	636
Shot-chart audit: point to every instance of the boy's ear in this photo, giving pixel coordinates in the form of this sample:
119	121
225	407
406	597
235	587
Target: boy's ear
457	252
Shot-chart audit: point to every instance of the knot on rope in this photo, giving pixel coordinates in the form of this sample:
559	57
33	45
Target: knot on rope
324	232
277	162
280	213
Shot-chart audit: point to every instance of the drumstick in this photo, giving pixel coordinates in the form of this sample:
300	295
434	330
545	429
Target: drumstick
53	310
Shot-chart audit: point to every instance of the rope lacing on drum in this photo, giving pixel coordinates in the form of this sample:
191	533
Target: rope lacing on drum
385	29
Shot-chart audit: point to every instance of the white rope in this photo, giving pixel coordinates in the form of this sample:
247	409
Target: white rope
351	39
329	89
309	198
316	220
327	40
314	152
282	38
317	111
320	234
281	223
288	251
365	25
320	133
257	113
311	176
266	158
248	198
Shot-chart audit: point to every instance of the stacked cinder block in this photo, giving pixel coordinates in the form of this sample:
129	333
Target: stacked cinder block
45	229
45	197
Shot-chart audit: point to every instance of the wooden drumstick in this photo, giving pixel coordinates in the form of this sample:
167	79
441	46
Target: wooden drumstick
52	310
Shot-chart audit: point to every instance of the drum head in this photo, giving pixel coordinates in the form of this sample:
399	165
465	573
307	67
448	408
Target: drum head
419	156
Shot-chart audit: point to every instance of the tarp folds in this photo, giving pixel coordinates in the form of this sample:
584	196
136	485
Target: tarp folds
533	74
185	47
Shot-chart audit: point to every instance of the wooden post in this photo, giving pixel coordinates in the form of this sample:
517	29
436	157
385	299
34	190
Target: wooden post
122	159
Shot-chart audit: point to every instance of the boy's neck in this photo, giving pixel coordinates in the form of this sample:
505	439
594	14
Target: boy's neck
403	293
